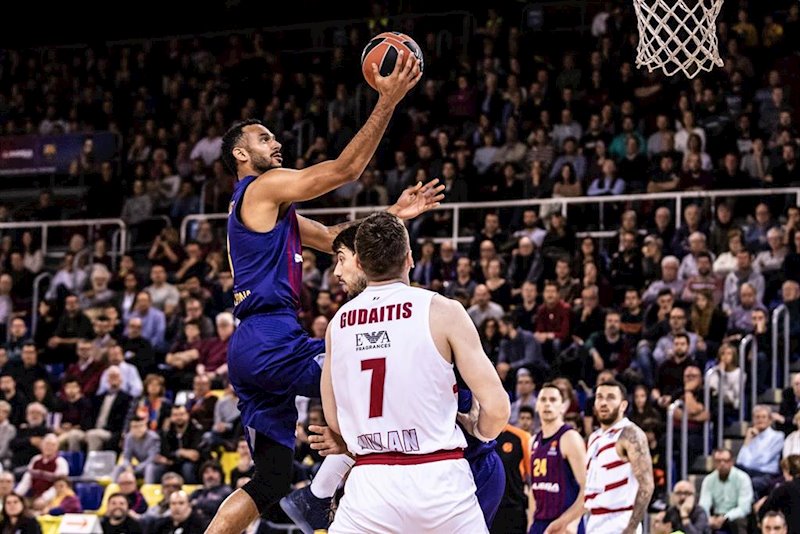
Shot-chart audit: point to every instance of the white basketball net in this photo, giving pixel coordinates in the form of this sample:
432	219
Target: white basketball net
678	35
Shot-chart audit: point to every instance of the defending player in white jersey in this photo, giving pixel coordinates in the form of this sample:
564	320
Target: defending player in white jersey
619	480
389	389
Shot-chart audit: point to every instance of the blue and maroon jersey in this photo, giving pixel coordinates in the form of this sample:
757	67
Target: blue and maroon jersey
552	481
267	267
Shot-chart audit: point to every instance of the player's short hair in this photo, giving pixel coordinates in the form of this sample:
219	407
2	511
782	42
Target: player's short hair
613	384
553	386
346	239
382	246
231	139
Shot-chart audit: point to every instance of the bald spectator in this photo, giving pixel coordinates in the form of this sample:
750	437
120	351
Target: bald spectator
42	470
741	317
527	265
482	306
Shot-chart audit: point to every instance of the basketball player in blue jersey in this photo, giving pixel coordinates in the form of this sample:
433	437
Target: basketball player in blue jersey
558	468
485	463
271	359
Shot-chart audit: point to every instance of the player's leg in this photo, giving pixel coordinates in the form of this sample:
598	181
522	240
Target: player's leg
490	483
309	507
271	481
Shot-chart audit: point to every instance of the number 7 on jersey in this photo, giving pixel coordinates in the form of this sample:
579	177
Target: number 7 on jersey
378	368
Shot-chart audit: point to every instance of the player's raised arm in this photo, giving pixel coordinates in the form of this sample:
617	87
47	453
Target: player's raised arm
284	185
475	367
635	448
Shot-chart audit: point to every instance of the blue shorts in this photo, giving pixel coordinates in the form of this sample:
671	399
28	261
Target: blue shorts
539	526
271	359
490	483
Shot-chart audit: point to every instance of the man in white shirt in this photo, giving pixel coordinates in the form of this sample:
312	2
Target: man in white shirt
209	148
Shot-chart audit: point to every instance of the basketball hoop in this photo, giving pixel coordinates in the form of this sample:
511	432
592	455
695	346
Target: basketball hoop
678	35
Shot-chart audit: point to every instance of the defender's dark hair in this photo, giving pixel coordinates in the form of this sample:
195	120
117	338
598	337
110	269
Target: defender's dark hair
382	245
553	386
614	384
231	139
346	239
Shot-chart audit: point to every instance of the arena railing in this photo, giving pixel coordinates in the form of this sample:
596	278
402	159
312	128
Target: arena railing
44	228
684	442
554	204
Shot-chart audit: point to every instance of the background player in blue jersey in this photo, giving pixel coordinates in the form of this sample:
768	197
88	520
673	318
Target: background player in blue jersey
271	359
558	468
486	466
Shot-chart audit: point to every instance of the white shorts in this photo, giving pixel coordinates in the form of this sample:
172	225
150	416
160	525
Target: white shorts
434	497
609	523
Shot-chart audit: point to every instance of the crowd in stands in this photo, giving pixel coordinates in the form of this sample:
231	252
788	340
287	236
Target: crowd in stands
129	353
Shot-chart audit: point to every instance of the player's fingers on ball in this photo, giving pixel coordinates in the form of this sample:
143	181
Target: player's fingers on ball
399	63
375	70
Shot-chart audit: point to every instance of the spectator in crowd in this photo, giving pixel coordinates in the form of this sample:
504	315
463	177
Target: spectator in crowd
179	447
703	280
774	523
88	369
67	279
790	405
64	500
127	486
43	470
109	413
760	455
726	495
683	514
76	417
98	294
244	466
744	273
26	444
7	433
207	499
28	370
669	280
138	351
786	497
141	445
519	349
552	322
483	308
170	483
226	426
153	320
117	519
164	295
72	326
202	402
16	517
183	517
131	381
17	335
153	406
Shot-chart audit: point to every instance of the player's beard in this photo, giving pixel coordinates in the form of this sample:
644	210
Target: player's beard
359	285
262	164
613	415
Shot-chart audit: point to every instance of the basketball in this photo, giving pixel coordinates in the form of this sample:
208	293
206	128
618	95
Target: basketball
383	49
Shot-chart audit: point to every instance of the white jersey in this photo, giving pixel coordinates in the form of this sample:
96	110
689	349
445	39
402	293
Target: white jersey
610	485
394	390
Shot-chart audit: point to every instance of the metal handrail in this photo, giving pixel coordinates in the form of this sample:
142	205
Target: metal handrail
720	408
684	440
562	202
781	310
35	300
44	227
746	341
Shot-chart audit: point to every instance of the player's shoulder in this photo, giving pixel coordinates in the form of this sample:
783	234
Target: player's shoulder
445	306
631	433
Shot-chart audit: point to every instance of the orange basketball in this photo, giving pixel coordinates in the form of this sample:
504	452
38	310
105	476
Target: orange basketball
383	49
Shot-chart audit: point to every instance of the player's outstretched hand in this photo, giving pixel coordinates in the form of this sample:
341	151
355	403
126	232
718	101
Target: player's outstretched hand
418	199
405	75
326	441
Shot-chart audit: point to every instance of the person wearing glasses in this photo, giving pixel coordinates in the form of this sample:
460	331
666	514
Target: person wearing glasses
683	512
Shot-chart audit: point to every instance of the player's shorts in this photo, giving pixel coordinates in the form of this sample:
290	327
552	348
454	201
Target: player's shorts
435	497
271	359
490	481
539	526
609	523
